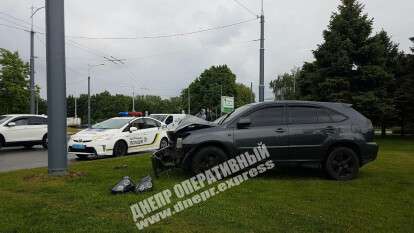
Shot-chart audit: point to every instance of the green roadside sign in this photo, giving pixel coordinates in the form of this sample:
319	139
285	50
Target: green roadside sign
227	104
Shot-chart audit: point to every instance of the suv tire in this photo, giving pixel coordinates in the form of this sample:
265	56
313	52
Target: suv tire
45	141
342	164
207	157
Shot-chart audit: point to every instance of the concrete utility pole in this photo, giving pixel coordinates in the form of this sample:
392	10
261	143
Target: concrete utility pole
251	92
89	91
76	108
32	65
133	99
189	108
56	87
261	78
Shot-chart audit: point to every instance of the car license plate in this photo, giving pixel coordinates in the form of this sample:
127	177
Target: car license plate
78	146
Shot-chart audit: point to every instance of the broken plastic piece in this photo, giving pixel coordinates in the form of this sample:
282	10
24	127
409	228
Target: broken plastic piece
123	186
144	185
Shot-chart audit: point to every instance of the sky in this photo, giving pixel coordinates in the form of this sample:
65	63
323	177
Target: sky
164	66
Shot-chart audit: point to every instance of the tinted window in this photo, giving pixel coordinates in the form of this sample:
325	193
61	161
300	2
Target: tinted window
37	121
267	116
149	123
21	121
302	115
169	120
139	124
336	117
323	115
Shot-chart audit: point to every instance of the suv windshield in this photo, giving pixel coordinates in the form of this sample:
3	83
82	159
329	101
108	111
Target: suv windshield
229	117
114	123
4	119
159	117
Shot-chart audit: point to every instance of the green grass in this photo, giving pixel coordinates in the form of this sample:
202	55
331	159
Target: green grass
287	200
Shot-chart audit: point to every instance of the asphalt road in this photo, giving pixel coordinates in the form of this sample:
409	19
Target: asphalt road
15	158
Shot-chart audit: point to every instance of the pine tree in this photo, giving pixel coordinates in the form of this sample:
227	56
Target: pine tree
352	65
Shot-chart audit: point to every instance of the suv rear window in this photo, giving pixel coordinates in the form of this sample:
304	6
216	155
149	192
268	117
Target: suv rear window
37	121
302	115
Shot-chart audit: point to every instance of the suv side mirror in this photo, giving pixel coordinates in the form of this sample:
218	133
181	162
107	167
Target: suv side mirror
133	129
11	124
243	122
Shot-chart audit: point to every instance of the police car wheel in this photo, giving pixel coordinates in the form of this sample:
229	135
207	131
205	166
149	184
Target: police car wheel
163	143
120	148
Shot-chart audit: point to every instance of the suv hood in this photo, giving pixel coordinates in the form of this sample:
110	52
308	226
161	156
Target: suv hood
193	123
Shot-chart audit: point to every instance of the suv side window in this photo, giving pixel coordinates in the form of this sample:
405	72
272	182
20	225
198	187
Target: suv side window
302	115
324	116
267	116
336	117
21	121
37	121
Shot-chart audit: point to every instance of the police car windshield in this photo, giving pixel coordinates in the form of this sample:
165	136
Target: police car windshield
114	123
159	117
4	119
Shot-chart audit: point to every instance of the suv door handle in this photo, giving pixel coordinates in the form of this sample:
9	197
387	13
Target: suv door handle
329	129
280	130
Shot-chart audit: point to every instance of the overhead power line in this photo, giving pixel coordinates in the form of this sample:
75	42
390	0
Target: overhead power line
246	8
163	36
14	27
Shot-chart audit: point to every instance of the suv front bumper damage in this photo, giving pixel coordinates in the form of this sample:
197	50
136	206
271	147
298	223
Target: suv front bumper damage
164	160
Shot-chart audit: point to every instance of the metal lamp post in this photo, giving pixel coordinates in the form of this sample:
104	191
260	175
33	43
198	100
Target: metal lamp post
89	91
133	96
32	68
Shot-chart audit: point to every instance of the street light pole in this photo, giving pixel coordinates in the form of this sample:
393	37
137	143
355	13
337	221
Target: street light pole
133	99
32	65
56	87
189	108
89	91
261	76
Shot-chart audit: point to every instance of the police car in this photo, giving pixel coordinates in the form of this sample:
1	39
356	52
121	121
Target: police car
119	136
171	120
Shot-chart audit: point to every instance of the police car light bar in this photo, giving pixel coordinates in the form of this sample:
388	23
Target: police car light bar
127	114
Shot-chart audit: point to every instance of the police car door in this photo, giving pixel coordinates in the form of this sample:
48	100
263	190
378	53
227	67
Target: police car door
136	138
151	135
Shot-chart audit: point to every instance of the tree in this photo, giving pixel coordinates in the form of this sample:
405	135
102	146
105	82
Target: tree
206	89
353	66
284	86
243	95
14	91
404	94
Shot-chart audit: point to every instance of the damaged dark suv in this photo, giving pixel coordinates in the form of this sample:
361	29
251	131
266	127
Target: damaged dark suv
332	135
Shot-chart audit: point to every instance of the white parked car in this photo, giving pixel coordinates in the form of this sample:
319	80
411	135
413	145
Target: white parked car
171	120
119	136
23	130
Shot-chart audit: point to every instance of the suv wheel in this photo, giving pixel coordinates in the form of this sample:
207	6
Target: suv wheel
120	149
207	158
45	141
2	142
342	164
